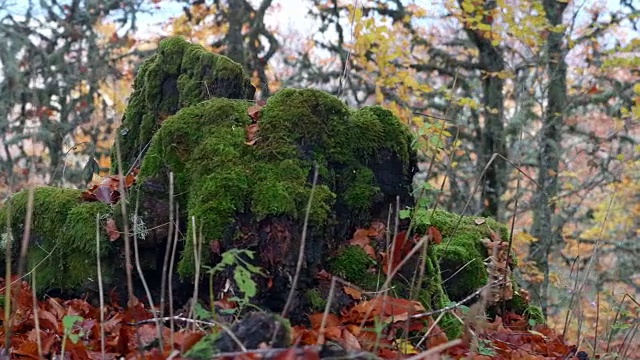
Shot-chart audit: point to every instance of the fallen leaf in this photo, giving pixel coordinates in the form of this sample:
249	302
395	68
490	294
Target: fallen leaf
435	235
316	320
354	293
254	112
349	341
112	230
252	132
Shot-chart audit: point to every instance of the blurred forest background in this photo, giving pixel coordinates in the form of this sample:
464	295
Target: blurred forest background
524	110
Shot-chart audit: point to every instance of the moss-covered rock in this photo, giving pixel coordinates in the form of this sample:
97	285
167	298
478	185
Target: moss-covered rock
63	237
179	74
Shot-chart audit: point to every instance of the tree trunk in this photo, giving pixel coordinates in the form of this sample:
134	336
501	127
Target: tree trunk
544	227
235	40
493	136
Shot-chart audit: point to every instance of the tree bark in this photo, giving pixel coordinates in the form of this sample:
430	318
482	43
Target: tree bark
545	227
492	134
235	40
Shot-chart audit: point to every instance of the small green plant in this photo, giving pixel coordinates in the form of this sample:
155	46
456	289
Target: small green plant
242	272
421	213
486	348
70	332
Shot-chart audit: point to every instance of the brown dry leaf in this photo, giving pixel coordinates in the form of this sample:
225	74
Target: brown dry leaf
54	306
323	275
436	336
349	341
112	230
304	336
254	112
316	320
360	238
354	293
27	350
48	321
333	333
252	132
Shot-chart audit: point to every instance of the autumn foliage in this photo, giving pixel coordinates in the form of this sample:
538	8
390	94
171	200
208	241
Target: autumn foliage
389	327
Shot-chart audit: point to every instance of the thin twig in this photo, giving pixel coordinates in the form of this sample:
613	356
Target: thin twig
7	276
22	261
127	245
458	304
436	350
135	162
433	326
327	309
172	261
393	272
345	72
100	288
18	279
196	257
143	280
36	319
475	189
167	254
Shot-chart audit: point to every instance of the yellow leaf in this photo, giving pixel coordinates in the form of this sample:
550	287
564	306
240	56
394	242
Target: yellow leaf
406	347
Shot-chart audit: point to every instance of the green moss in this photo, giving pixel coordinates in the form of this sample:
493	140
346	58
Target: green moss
461	253
203	349
535	314
351	263
379	129
362	192
63	236
220	176
451	326
316	300
179	75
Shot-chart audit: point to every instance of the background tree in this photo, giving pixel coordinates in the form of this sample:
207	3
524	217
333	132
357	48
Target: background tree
505	75
234	28
53	61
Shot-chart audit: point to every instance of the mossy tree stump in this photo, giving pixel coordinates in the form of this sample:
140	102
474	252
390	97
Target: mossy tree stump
188	115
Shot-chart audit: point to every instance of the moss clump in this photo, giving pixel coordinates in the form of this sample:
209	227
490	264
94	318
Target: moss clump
461	252
221	177
380	128
63	236
535	314
178	75
352	263
316	300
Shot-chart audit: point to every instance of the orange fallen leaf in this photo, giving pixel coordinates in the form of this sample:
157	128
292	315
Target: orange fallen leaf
316	320
354	293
